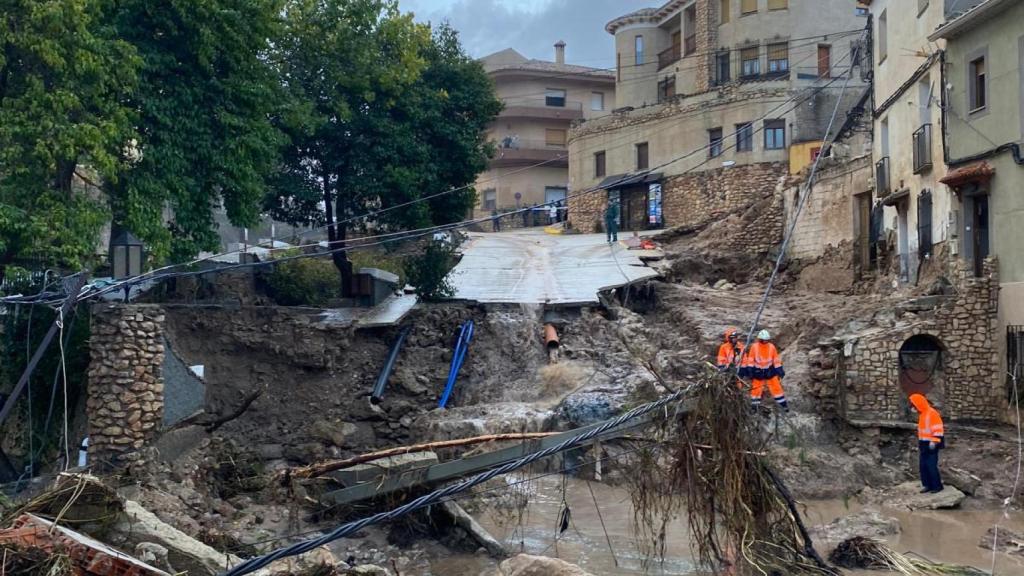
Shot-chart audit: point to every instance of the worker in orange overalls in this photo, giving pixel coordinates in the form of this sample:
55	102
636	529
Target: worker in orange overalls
730	352
931	437
763	366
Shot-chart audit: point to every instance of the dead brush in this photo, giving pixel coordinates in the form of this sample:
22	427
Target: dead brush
864	553
706	461
16	561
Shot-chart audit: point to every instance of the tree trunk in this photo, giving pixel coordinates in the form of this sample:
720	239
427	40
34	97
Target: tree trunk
336	234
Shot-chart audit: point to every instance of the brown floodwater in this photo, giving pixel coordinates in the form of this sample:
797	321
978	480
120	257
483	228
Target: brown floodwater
944	536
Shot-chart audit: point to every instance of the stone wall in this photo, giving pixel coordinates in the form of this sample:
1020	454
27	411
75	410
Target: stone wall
124	403
695	199
857	375
827	218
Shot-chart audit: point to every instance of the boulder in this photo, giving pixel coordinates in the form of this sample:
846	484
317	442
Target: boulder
463	520
184	552
961	479
907	496
867	523
527	565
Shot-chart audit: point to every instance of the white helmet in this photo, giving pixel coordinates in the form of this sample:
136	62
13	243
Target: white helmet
764	335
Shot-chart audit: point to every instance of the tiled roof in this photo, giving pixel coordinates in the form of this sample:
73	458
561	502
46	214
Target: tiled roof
554	67
981	171
965	14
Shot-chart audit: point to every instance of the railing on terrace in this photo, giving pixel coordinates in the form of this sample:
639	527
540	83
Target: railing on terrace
543	102
669	56
923	148
883	185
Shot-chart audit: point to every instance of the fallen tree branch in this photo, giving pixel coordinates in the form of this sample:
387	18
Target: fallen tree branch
314	470
805	535
213	425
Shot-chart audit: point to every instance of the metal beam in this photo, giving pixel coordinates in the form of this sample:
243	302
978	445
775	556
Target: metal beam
384	483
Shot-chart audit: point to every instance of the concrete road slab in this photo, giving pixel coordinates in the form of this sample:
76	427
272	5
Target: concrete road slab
531	267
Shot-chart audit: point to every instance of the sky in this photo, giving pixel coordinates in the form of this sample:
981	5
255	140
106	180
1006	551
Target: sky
532	26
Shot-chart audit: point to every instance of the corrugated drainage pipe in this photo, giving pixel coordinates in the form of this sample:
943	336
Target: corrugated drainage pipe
551	337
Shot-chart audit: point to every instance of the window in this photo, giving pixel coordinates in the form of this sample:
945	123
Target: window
778	58
883	31
638	45
554	137
599	164
490	199
597	100
774	134
748	6
715	142
666	88
722	67
922	5
618	66
723	12
924	224
750	61
778	4
824	61
977	87
641	156
744	137
690	25
554	97
861	10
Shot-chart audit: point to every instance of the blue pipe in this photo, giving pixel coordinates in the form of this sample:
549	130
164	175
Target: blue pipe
458	356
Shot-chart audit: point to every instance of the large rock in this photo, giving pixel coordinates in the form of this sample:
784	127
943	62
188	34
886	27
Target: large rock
527	565
868	523
1006	541
463	520
184	552
907	496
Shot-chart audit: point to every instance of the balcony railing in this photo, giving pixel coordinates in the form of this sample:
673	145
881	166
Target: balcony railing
883	184
669	56
513	151
923	149
690	44
542	108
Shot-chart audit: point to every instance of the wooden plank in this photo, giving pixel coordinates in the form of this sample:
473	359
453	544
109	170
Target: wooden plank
462	467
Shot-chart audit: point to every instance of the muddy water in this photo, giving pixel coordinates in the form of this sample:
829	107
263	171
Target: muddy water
947	536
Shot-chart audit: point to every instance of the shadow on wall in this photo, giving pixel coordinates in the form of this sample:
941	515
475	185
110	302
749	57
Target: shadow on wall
184	391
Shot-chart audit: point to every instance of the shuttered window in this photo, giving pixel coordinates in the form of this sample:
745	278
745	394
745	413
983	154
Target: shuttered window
778	4
724	12
924	223
748	6
554	137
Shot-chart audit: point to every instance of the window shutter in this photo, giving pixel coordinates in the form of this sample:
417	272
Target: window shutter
748	6
778	4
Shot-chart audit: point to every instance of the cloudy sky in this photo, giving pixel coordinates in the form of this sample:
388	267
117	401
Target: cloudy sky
532	26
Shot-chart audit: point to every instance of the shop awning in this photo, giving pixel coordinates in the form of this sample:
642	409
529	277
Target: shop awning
896	197
624	180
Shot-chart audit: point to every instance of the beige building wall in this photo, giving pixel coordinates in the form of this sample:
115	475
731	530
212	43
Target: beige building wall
530	184
901	49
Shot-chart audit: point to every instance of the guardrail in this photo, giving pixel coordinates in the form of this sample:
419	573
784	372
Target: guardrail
923	148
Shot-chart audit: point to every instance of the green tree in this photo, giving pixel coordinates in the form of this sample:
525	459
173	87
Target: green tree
64	122
207	93
383	112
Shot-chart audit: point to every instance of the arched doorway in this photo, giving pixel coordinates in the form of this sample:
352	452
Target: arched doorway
921	368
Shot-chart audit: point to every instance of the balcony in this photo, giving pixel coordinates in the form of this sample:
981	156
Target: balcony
883	184
542	108
690	44
923	149
669	56
518	152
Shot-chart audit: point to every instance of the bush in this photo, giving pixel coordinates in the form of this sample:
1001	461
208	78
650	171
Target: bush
304	282
429	271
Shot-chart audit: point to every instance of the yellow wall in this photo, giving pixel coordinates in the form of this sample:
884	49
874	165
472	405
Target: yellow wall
800	156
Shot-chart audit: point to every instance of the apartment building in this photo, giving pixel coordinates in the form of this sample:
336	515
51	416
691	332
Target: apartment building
542	98
719	100
983	71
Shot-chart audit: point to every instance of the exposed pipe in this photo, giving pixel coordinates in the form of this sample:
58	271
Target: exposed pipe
461	346
389	366
550	337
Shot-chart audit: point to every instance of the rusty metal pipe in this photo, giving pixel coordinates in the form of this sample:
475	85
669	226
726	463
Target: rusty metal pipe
550	337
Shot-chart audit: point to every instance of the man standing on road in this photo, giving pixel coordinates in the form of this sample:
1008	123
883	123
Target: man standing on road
762	364
495	221
611	221
931	437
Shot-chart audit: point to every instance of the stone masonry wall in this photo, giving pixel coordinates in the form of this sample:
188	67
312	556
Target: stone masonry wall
707	40
697	199
124	406
827	218
857	376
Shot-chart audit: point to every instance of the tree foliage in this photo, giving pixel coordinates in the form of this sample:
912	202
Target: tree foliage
206	96
63	83
399	117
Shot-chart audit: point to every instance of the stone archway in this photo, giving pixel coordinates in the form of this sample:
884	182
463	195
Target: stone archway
921	364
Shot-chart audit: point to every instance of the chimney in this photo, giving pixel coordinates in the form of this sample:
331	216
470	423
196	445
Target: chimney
560	52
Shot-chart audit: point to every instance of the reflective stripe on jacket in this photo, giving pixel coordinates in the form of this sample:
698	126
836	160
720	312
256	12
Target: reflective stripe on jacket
929	426
762	362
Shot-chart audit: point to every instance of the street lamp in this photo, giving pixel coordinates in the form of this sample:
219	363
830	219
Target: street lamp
126	255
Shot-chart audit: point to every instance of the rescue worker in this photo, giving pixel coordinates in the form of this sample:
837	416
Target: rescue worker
930	439
611	221
729	352
763	366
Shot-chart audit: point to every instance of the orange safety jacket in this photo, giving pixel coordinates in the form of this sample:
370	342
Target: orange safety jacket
729	354
762	362
929	422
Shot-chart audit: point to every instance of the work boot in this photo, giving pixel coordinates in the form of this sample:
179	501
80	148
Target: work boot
925	490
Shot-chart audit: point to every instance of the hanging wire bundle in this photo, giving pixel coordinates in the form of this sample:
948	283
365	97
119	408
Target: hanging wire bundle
706	462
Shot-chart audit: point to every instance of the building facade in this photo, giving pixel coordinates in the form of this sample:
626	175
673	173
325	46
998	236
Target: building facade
984	132
541	99
709	92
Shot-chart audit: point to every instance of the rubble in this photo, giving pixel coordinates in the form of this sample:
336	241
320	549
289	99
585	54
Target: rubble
527	565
